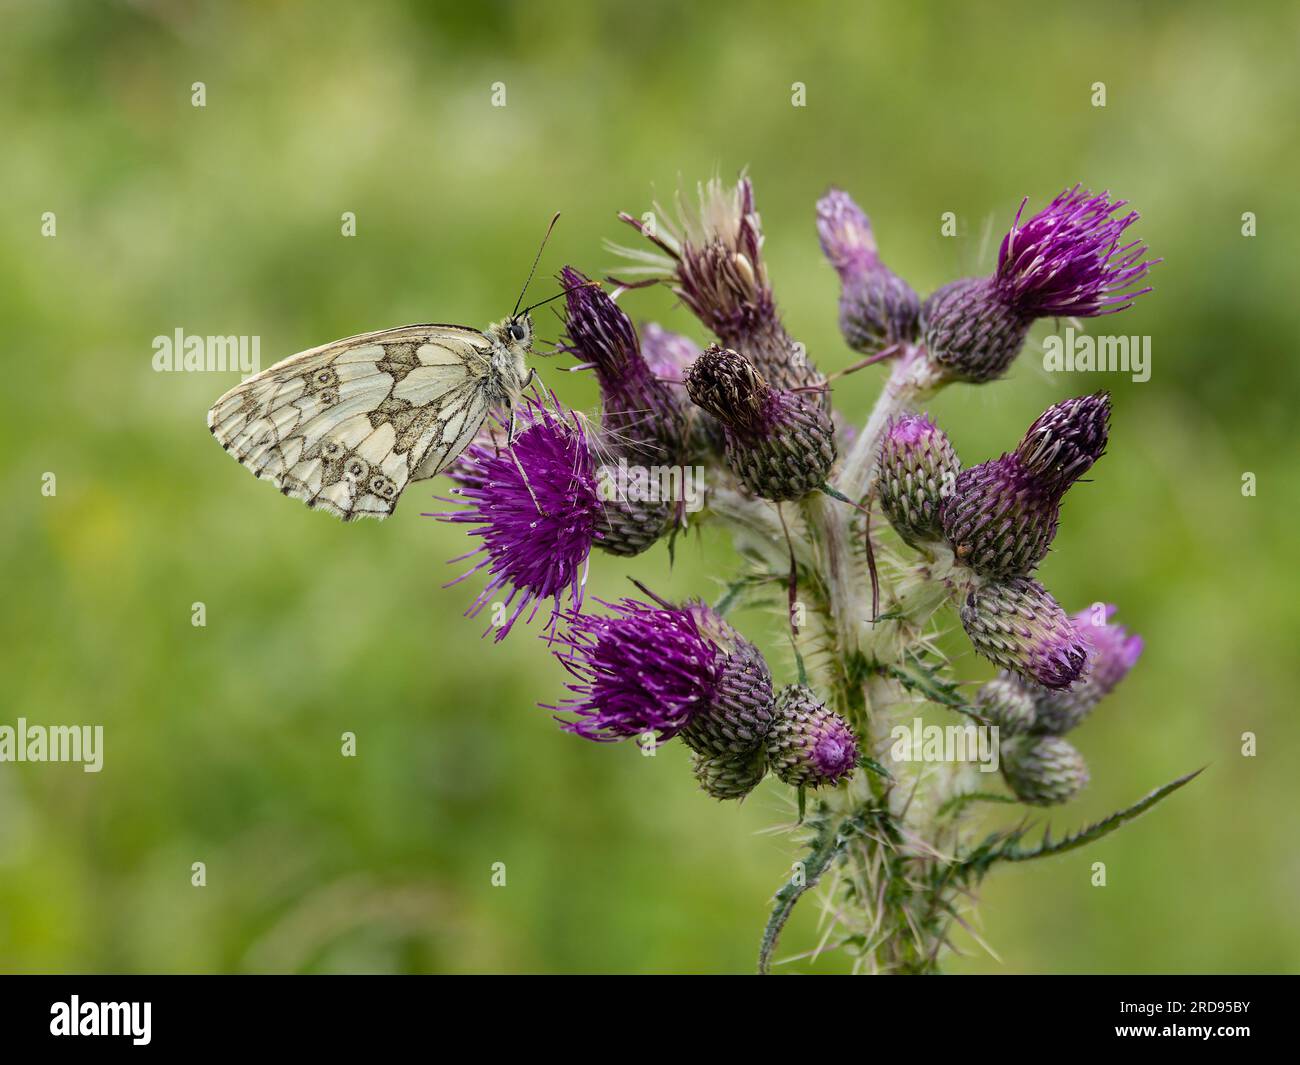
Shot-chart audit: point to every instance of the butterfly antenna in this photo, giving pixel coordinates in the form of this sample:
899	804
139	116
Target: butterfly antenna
562	292
537	259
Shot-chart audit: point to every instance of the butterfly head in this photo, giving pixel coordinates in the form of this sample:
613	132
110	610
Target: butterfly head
515	333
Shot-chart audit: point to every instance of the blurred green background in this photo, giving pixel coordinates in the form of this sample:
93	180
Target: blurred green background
222	742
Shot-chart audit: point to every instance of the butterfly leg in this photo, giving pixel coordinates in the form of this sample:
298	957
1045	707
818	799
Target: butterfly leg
511	434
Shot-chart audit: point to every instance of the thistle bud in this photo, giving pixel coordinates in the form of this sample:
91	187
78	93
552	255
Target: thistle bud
1008	704
917	469
778	445
1066	261
1043	770
645	416
1002	515
877	308
1113	653
1016	624
730	776
809	745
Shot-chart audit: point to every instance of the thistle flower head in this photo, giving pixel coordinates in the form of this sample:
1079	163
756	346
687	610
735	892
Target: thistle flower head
712	258
917	469
1113	652
809	745
1070	259
1043	770
535	507
877	308
646	414
1016	624
1002	515
969	332
778	445
668	670
1065	440
640	669
1066	260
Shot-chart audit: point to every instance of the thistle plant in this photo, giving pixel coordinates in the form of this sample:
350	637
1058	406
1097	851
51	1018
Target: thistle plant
868	529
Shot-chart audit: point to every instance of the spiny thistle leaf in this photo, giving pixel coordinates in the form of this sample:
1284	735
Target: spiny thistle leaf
827	845
1094	832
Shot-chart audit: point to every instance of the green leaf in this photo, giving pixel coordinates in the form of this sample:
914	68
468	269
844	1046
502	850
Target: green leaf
1094	832
827	845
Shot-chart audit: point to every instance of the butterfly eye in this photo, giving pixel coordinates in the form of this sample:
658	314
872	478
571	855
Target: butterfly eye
516	331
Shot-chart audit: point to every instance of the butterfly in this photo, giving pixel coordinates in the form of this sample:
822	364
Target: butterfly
348	426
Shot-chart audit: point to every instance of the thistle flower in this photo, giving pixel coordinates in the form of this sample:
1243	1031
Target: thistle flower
713	260
917	469
730	776
645	415
778	445
877	307
1008	703
1002	515
661	669
1113	653
1043	770
809	745
536	509
1016	624
1067	260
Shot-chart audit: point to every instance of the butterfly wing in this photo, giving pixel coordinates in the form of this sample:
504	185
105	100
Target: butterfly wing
347	426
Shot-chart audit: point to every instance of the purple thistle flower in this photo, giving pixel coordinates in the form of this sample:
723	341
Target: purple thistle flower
1113	653
877	307
536	555
1016	624
1002	515
1066	260
662	669
645	415
779	445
